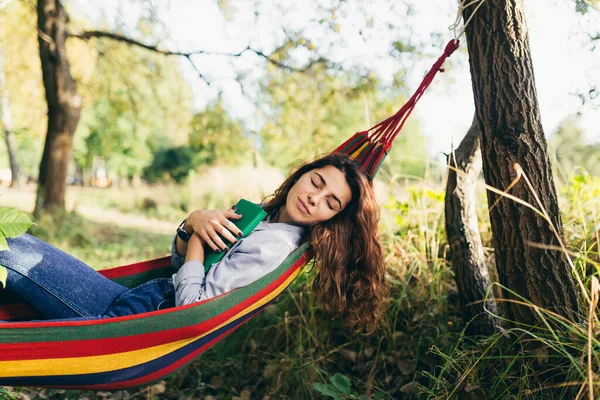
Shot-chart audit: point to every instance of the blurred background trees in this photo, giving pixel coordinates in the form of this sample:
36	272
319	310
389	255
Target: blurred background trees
137	118
571	153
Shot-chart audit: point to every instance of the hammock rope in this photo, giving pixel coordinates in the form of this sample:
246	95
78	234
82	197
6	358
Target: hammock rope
123	352
371	146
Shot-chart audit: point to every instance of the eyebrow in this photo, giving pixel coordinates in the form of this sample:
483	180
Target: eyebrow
325	184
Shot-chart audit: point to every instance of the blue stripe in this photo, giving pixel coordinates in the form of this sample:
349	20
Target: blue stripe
125	374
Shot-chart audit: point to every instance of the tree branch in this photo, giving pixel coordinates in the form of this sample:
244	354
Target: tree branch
86	35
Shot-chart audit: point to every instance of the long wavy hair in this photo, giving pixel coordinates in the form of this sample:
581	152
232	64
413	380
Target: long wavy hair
346	249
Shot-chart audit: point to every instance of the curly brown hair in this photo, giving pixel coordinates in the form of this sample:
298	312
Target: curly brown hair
347	252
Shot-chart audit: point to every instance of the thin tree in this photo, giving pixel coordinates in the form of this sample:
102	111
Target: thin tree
508	117
466	249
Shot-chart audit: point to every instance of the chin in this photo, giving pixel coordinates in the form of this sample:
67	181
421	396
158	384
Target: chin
297	218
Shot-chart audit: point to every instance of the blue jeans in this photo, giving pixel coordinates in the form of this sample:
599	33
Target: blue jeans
57	285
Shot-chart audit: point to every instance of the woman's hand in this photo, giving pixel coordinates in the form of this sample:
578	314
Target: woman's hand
209	223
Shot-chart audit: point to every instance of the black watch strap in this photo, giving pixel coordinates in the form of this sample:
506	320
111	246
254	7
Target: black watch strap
182	233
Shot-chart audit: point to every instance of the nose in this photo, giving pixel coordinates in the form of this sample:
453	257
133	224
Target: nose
315	198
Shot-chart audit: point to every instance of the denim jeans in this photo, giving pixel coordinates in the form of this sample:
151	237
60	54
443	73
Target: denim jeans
59	286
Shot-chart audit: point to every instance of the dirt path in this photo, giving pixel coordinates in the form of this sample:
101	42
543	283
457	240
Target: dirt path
24	200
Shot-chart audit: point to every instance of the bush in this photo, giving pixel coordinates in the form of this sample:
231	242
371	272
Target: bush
171	163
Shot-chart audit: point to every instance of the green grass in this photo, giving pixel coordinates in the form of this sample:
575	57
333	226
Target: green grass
418	352
100	245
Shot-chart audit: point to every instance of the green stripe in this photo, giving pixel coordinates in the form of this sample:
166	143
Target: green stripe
155	323
360	138
379	166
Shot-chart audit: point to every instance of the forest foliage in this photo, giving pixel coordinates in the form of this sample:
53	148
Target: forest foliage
138	116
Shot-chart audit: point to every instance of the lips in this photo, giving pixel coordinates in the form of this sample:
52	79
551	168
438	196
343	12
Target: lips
303	207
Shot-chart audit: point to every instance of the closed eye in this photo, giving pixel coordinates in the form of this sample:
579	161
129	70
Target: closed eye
314	184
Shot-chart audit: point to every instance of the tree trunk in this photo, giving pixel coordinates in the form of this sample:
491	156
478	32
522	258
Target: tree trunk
7	123
466	250
509	119
64	106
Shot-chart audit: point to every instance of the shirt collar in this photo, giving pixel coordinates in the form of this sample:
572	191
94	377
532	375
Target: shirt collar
295	231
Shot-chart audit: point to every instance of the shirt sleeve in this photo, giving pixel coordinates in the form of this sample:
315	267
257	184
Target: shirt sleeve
176	260
189	283
241	267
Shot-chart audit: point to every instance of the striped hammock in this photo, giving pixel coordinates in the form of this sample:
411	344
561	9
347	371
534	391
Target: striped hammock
123	352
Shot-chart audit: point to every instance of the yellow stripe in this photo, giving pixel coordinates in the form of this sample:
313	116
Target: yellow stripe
87	365
110	362
357	152
265	299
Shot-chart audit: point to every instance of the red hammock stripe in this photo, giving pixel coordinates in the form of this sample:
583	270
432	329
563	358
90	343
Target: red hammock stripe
101	346
133	269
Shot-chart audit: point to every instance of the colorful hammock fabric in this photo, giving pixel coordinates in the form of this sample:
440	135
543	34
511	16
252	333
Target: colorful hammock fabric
123	352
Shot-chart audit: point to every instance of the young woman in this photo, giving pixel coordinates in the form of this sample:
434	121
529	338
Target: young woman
328	202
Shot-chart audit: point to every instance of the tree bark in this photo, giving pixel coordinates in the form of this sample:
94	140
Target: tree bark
7	123
509	119
64	106
466	250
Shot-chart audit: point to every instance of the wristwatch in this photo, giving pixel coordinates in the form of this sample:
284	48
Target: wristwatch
182	233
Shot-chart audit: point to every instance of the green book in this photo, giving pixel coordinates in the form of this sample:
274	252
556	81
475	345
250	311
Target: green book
252	214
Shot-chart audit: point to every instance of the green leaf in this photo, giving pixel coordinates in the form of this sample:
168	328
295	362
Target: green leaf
327	390
3	276
3	244
6	395
13	222
342	383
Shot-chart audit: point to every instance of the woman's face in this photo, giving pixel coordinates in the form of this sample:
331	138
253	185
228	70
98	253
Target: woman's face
317	196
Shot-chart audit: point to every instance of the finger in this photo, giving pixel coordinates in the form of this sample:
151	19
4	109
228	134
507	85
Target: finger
222	229
217	239
207	239
230	226
232	214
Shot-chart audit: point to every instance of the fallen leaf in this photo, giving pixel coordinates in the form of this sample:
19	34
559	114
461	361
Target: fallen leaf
406	368
245	395
470	388
349	354
157	388
397	334
269	371
216	381
473	392
411	387
270	309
